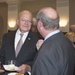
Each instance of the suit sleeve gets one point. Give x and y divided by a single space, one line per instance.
2 50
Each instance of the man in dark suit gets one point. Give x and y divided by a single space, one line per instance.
25 57
56 54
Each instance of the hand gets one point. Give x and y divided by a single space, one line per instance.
24 68
39 43
1 71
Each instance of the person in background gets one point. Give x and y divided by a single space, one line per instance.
27 52
56 55
71 37
72 28
34 28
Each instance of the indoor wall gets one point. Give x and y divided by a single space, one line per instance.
3 19
35 5
72 12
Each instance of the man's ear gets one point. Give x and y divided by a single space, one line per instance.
40 24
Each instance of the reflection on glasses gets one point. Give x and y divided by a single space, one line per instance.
26 21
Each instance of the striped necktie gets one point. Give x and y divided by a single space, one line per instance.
19 45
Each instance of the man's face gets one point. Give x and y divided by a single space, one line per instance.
73 29
24 22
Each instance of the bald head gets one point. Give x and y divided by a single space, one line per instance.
49 17
25 12
50 12
72 28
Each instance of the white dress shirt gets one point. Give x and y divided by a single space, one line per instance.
17 37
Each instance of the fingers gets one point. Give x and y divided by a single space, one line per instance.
21 69
1 71
24 68
39 43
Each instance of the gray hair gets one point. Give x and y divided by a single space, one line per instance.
48 22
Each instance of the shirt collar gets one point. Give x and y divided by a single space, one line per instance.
52 33
18 32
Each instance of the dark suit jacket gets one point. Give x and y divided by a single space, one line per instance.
55 57
27 52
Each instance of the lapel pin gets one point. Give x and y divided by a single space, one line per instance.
28 38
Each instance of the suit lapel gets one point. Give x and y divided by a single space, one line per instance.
25 44
27 39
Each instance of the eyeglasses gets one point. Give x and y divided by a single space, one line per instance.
25 21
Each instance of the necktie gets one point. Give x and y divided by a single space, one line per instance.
19 45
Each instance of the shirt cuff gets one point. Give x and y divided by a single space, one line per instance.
29 73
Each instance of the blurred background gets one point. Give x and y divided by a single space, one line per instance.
9 10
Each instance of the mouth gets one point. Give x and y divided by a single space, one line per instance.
25 26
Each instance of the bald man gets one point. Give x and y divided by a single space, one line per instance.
72 28
56 54
24 57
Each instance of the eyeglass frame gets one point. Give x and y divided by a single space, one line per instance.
25 21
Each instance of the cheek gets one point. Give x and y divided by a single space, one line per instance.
30 25
37 27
